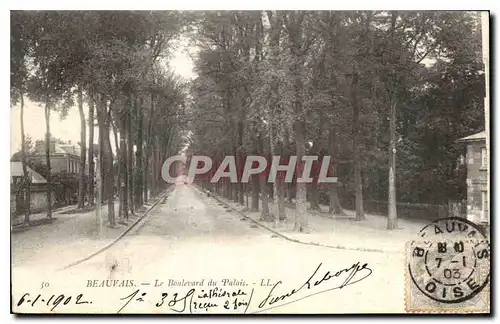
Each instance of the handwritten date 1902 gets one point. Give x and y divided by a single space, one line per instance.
54 300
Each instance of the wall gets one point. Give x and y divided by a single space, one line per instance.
427 212
13 203
476 182
61 163
38 201
57 163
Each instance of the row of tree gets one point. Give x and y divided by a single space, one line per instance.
114 62
363 87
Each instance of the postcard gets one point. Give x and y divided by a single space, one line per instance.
250 162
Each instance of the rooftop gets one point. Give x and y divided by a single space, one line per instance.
475 137
16 170
58 148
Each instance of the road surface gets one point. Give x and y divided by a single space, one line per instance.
192 255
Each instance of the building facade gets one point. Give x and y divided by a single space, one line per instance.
63 157
478 210
38 192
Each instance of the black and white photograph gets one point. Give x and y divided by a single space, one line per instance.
250 162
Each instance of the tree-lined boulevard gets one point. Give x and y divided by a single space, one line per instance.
380 98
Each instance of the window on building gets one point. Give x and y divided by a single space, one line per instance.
484 205
484 158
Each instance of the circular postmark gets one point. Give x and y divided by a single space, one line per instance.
450 263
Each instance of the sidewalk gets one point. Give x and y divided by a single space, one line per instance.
341 231
19 219
69 237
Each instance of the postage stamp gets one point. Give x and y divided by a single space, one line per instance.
448 268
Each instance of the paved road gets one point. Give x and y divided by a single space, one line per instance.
192 238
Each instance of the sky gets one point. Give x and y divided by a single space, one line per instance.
68 129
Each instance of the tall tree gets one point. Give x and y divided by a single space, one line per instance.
83 150
21 41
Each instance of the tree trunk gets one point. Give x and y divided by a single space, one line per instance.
287 191
118 179
101 157
236 192
255 193
236 186
295 36
110 178
359 188
26 187
153 168
98 185
241 160
358 184
91 149
107 159
229 188
334 208
242 194
156 167
246 196
272 151
314 196
301 221
290 186
130 151
83 150
392 218
47 157
255 181
281 199
146 171
291 193
280 185
123 177
148 151
138 157
265 214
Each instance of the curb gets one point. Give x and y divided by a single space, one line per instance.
337 247
121 235
54 212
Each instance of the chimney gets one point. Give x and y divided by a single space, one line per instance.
40 146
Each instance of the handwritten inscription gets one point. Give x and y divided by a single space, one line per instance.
193 301
53 301
225 295
240 299
350 276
